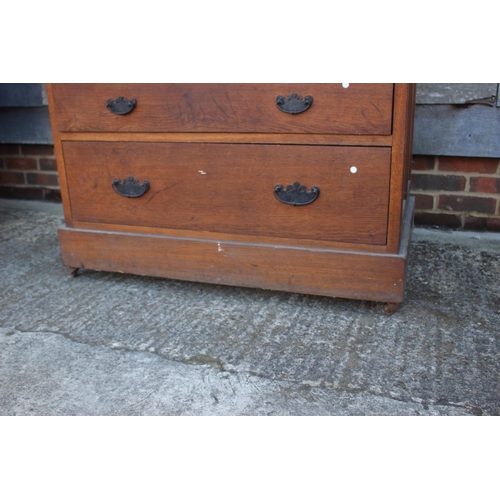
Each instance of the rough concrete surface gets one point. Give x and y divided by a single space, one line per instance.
112 344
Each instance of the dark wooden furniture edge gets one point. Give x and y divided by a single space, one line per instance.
63 183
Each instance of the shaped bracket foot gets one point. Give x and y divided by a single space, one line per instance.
391 307
73 271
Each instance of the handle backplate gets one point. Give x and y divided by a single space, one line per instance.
295 194
294 103
121 105
130 187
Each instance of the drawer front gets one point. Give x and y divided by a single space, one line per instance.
231 188
241 108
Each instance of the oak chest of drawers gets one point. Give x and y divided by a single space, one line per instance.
294 187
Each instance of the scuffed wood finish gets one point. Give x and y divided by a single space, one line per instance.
358 109
365 276
335 273
230 188
282 239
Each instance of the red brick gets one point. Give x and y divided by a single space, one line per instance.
493 224
421 162
462 164
37 150
2 164
22 193
438 182
21 163
426 219
475 223
48 164
42 179
467 204
484 185
9 149
424 202
482 223
12 178
52 195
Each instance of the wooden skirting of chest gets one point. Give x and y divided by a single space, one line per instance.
220 184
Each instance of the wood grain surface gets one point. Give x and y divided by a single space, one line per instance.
358 109
230 188
402 139
319 272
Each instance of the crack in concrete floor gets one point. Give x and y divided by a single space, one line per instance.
298 385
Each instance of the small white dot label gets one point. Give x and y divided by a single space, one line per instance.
345 85
353 170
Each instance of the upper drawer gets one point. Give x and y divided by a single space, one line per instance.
243 108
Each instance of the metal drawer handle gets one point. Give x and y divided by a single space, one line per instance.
295 194
294 104
130 187
121 105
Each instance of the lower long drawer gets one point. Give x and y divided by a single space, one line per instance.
231 188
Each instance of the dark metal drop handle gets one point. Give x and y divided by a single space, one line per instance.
294 103
295 194
121 105
130 187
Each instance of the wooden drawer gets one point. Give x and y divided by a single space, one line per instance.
230 188
242 108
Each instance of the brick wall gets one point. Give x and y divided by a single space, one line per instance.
29 172
457 192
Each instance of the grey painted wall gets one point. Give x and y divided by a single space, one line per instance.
457 119
24 116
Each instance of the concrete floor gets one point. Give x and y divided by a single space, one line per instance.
112 344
